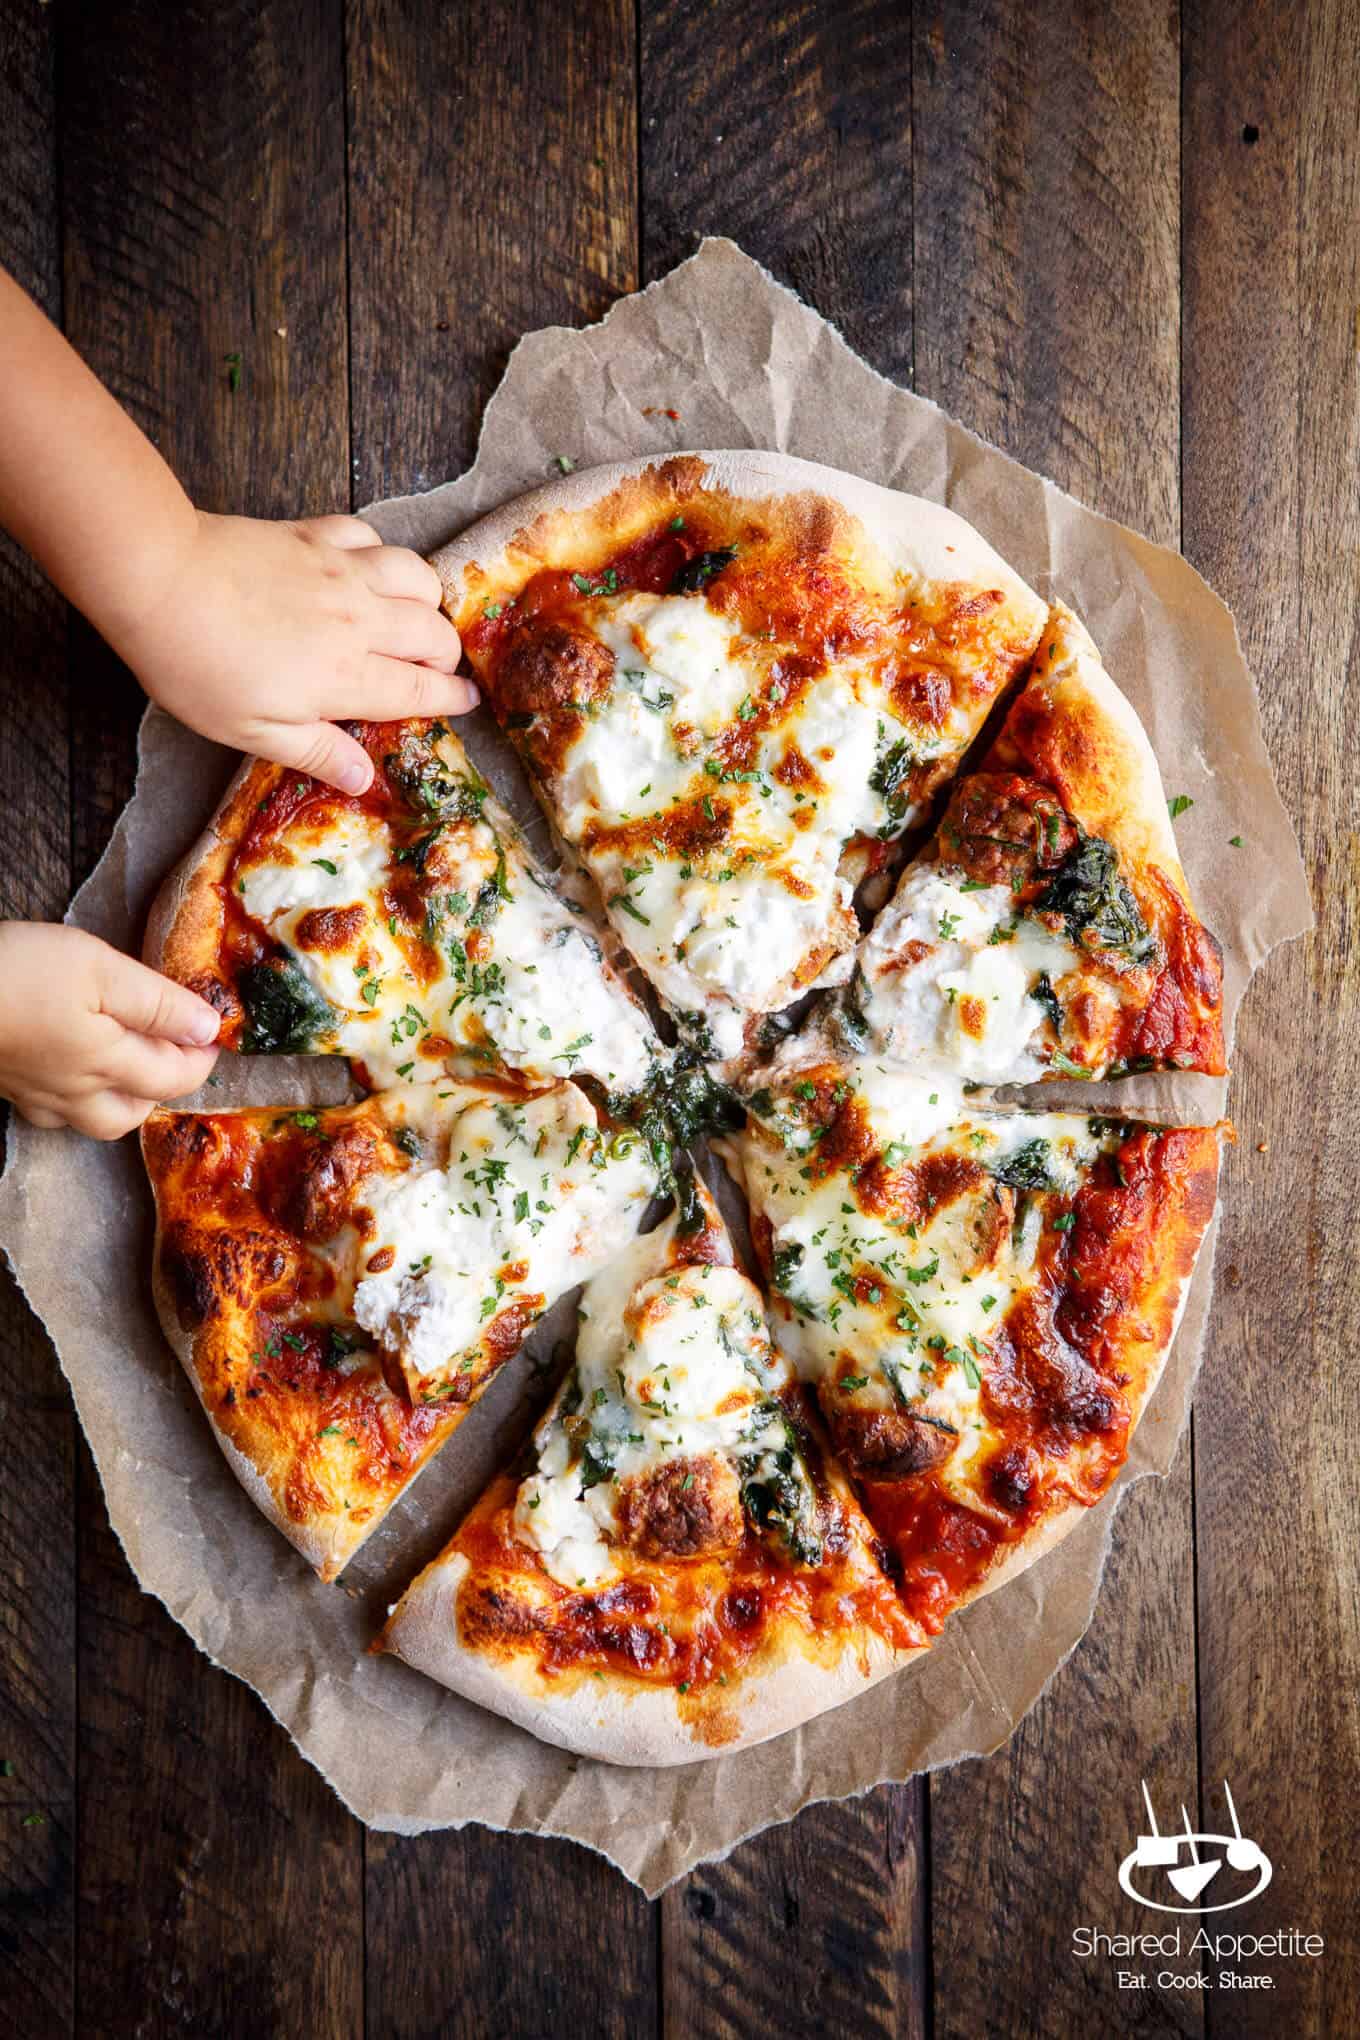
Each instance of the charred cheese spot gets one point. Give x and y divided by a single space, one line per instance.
212 1271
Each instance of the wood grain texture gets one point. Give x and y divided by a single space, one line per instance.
503 148
492 190
472 1933
1047 222
789 128
37 1426
816 1927
1272 439
202 180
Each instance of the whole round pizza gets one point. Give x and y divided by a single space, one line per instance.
854 829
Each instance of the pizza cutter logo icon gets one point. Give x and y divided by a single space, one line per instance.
1191 1862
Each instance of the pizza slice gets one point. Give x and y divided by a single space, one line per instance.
1048 930
984 1304
407 927
735 677
675 1568
341 1284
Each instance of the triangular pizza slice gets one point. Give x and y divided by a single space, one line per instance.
408 928
735 677
983 1303
675 1567
1048 930
340 1284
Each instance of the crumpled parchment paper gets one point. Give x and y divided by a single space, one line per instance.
715 355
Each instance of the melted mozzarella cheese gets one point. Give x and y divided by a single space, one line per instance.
723 932
530 1199
512 975
671 1362
907 1312
965 1000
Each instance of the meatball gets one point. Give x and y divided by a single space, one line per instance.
1006 830
687 1508
553 667
888 1444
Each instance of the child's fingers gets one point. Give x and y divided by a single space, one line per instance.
38 1115
323 750
349 533
148 1003
395 570
412 630
108 1115
394 687
147 1068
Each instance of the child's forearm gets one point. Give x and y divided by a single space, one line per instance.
81 488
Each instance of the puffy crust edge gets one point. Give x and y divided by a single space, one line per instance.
559 523
619 1721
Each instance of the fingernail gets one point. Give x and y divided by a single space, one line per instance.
472 695
202 1029
354 777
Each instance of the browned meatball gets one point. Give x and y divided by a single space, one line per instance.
688 1508
318 1202
553 667
1005 830
887 1444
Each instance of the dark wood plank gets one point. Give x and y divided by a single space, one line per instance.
790 130
202 179
37 1429
1046 221
502 147
1272 428
471 1933
815 1927
493 189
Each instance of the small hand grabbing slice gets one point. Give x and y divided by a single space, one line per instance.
983 1303
340 1285
735 677
1048 930
676 1568
408 927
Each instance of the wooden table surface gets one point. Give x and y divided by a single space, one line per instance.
1123 243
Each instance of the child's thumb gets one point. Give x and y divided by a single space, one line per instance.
323 751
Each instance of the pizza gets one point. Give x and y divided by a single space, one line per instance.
982 1302
341 1284
677 1567
735 679
745 689
408 928
1048 931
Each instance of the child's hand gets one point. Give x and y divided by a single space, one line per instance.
88 1037
266 632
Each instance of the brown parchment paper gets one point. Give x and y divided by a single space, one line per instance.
742 363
